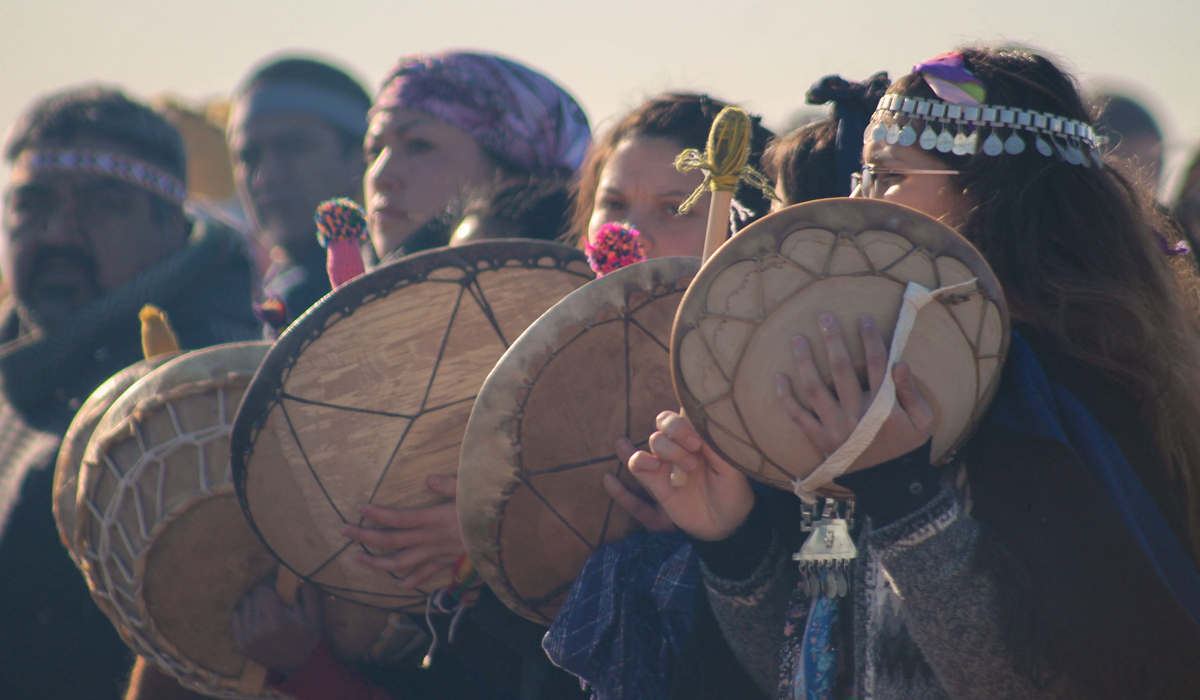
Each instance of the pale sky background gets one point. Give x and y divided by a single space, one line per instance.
610 55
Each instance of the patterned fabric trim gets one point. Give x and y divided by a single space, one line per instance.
131 170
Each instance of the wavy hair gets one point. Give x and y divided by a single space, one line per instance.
1079 252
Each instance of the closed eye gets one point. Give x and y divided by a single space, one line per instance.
416 147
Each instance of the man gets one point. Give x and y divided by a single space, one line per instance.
296 134
93 229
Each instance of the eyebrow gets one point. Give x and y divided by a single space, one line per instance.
408 125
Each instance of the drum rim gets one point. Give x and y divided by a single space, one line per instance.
542 339
262 394
92 411
922 230
148 639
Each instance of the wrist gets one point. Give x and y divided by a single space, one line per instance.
737 555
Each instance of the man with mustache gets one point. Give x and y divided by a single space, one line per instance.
94 228
296 136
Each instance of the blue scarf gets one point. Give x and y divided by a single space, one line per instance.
1028 403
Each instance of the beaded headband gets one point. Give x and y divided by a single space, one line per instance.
1071 140
131 170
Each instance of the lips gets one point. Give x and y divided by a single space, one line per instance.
63 277
380 208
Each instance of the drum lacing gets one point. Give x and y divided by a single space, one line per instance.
449 599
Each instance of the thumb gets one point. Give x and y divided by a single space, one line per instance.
443 485
910 398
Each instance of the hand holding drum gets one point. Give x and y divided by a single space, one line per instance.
530 498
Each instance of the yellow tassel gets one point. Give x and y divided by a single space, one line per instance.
724 162
157 336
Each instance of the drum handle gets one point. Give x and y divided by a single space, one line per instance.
287 585
254 676
915 298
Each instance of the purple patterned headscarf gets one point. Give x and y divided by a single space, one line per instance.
518 114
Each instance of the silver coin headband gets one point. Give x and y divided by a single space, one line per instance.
1071 140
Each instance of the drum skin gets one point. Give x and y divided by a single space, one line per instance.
368 394
75 441
594 368
166 551
849 257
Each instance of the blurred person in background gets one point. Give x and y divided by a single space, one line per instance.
211 190
1186 207
295 134
93 229
1134 137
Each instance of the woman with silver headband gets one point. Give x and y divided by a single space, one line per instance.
1055 557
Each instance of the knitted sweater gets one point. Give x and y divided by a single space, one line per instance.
1009 574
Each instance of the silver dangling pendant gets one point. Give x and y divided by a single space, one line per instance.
1074 156
1062 152
879 133
1014 145
992 145
972 144
825 557
893 133
929 138
945 141
1043 147
908 135
959 148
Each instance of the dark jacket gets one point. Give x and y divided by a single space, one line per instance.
54 641
300 283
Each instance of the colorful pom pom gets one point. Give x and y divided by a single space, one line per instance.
340 219
341 225
616 246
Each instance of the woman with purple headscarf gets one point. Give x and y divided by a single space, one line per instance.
452 122
443 128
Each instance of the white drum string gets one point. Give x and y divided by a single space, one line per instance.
836 464
458 609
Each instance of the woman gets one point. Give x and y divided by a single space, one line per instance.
659 637
1019 570
442 127
629 176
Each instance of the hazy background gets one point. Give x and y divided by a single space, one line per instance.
610 55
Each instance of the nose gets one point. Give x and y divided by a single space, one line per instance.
268 172
64 227
384 174
645 229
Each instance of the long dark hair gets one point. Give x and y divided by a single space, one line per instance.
1079 252
682 117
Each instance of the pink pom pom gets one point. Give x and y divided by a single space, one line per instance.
616 246
343 261
341 224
